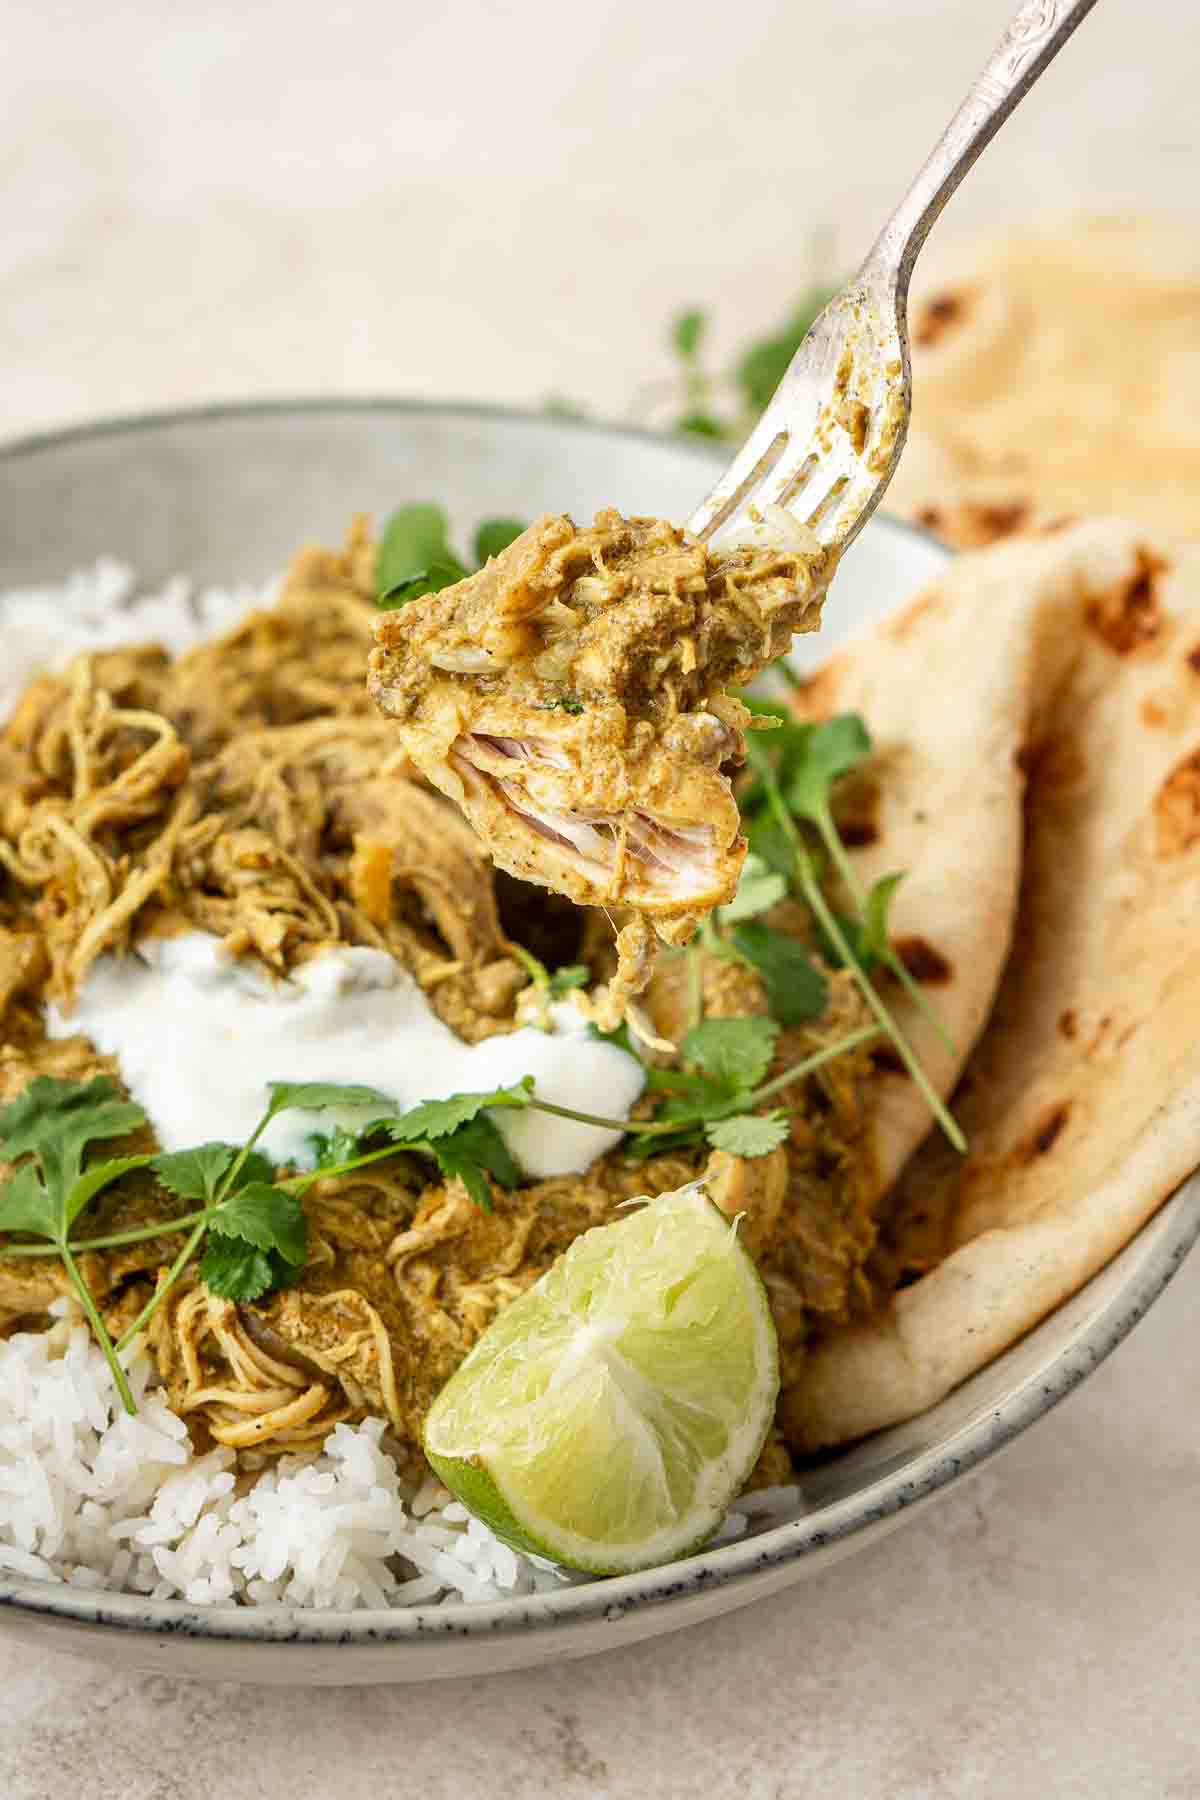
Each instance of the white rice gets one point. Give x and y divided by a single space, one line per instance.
99 1499
91 1496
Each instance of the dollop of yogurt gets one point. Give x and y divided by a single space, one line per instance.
198 1034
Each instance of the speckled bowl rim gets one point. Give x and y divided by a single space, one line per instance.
1175 1226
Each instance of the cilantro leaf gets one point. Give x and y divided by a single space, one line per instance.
771 844
759 889
472 1178
796 990
315 1096
414 557
96 1177
568 704
26 1206
690 1136
269 1217
831 749
438 1118
494 535
195 1174
687 329
867 938
430 580
700 424
571 975
236 1270
55 1120
735 1051
749 1134
474 1148
621 1038
874 942
332 1148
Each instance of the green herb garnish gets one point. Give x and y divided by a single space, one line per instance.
550 985
51 1124
810 759
472 1153
494 535
796 989
415 557
750 1134
760 887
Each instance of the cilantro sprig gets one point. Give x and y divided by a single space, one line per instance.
795 768
45 1134
714 1098
248 1226
796 989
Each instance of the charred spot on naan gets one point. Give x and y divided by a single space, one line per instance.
941 314
924 962
856 809
1131 616
974 524
1046 1132
1052 761
1177 808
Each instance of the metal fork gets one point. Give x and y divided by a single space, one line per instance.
829 441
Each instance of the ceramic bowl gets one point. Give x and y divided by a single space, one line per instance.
226 494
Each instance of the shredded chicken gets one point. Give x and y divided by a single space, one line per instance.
571 699
246 790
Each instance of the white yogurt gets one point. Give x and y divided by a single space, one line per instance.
198 1034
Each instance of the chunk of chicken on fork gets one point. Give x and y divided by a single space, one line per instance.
571 697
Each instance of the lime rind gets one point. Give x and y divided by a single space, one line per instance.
608 1417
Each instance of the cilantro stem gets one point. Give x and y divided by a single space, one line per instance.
816 1061
137 1234
648 1127
164 1287
225 1186
824 914
539 976
99 1328
831 838
811 889
737 1103
695 972
309 1176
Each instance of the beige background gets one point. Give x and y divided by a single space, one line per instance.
205 200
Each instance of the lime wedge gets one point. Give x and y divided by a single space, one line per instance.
609 1415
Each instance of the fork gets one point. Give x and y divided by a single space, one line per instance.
831 437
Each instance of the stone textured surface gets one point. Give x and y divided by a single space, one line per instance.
221 200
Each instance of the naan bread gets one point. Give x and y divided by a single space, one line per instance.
1056 371
1064 672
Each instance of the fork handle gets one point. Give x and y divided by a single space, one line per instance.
1033 39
